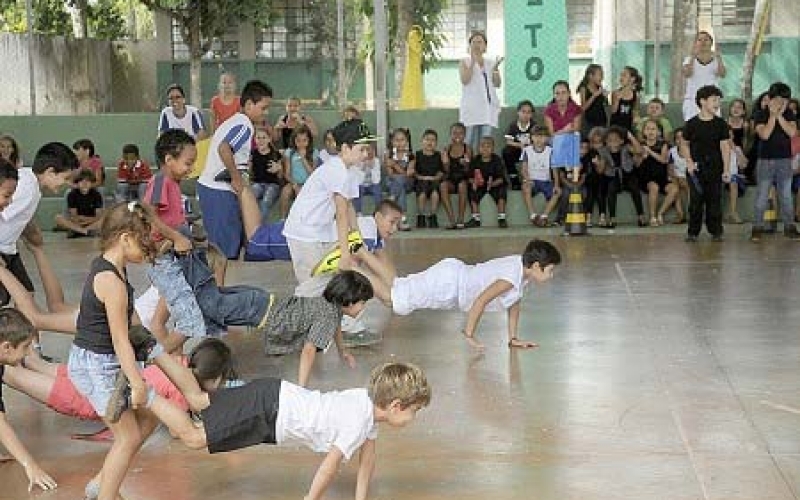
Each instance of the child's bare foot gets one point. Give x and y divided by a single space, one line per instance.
472 342
521 344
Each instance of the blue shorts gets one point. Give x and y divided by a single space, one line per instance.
93 375
222 219
544 187
566 150
268 243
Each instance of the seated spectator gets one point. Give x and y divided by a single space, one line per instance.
652 159
487 176
299 160
537 177
84 150
85 206
399 163
9 151
655 111
428 172
457 157
132 175
517 137
290 121
369 174
266 172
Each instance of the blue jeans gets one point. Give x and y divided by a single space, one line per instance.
167 275
373 190
127 192
399 185
266 195
474 135
222 306
778 172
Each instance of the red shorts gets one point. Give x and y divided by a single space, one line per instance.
65 399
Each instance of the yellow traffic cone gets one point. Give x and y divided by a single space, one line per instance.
575 223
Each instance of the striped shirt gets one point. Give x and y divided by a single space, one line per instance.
236 132
293 321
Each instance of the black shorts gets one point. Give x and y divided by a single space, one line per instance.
242 416
497 193
16 266
426 187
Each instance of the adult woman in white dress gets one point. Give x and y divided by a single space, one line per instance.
480 78
703 67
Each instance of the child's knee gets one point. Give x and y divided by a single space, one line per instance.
193 437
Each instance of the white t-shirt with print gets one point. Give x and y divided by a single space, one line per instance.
538 163
237 132
313 212
320 421
478 277
20 211
191 121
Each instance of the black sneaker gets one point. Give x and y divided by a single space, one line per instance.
755 234
120 398
791 232
472 223
433 222
421 222
223 176
503 223
692 238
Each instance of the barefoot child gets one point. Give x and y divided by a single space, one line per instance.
457 157
495 285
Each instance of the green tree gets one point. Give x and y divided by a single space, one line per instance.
402 15
202 21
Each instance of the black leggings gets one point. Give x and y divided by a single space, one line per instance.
595 195
629 183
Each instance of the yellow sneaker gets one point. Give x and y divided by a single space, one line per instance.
330 263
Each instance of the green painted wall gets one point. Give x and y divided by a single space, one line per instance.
778 62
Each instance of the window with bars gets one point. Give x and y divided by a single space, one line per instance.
290 35
725 18
459 20
225 47
580 18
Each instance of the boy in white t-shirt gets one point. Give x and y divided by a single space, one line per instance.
323 201
537 177
228 157
273 411
495 285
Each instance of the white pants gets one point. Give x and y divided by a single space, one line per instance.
433 288
305 256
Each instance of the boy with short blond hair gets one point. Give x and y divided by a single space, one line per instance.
274 411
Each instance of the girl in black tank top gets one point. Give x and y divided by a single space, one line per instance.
101 351
455 180
625 100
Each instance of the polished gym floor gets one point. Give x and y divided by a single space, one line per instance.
665 370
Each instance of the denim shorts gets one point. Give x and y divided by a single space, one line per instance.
167 276
93 376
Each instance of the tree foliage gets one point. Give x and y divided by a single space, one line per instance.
427 14
106 19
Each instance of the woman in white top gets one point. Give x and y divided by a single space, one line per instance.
703 67
480 77
181 115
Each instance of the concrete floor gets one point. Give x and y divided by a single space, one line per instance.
666 371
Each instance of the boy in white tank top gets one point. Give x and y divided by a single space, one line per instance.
495 285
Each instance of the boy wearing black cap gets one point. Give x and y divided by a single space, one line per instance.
325 199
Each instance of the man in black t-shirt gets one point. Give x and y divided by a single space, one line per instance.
708 163
775 127
85 205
